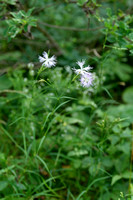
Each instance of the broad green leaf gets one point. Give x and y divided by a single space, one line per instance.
3 185
115 178
122 111
128 95
5 83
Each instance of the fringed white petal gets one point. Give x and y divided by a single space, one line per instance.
45 55
41 59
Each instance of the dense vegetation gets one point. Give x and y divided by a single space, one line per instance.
62 139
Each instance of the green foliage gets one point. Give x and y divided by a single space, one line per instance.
81 2
58 139
128 95
20 22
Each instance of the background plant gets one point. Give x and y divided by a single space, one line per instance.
58 139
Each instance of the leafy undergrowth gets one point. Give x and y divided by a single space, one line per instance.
66 132
59 141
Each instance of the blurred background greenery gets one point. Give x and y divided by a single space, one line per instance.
59 140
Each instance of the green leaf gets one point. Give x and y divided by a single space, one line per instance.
14 14
29 12
26 27
128 95
33 23
11 2
5 83
109 12
22 13
115 179
131 36
81 2
77 152
125 175
3 185
122 111
131 51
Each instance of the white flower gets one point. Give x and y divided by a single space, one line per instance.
30 65
87 80
83 70
48 62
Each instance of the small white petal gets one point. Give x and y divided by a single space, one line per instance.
53 58
83 70
45 55
81 63
41 59
88 68
78 71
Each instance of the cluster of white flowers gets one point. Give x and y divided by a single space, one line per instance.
83 70
86 77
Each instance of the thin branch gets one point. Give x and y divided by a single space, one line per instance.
29 42
72 1
51 39
70 28
36 11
